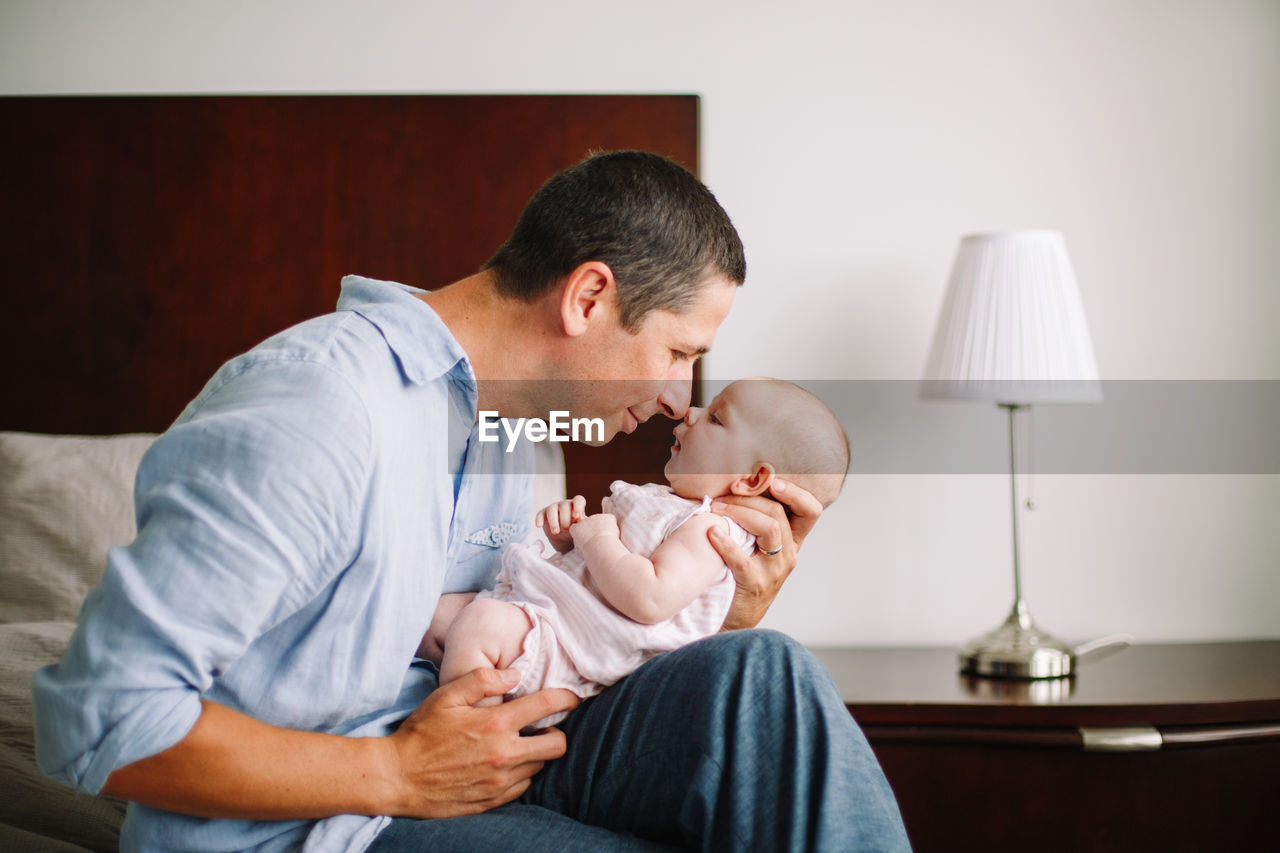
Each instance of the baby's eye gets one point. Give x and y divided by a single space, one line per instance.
715 419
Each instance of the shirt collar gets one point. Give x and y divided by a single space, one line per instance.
423 345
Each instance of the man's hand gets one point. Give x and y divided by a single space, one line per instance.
593 526
556 519
449 758
780 525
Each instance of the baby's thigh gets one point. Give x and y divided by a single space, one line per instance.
496 628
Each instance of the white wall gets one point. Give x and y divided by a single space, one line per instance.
853 142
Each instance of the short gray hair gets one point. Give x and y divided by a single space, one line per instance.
656 226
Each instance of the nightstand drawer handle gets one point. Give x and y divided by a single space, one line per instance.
1117 739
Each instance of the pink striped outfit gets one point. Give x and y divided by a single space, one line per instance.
578 641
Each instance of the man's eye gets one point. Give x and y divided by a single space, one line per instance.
677 355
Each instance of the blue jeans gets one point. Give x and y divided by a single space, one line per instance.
736 742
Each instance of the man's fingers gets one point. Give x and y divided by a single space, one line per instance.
780 523
546 745
513 793
738 561
476 685
482 800
763 518
458 759
788 506
527 710
802 507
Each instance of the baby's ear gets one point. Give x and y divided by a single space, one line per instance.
755 483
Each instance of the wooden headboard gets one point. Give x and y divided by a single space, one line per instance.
148 239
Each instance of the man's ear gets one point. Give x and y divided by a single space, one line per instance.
589 291
755 483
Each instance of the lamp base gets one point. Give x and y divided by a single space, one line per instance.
1017 649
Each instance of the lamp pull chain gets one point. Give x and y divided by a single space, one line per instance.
1029 455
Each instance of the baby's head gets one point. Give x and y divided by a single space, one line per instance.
754 430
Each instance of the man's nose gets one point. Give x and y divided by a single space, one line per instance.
675 396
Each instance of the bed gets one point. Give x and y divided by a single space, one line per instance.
149 239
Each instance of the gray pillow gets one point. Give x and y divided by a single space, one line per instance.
64 500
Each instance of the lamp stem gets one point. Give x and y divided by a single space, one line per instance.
1019 608
1017 649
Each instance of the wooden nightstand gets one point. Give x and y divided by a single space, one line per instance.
1158 747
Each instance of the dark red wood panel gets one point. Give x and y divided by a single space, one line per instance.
970 798
149 239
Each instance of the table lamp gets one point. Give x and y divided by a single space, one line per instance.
1012 332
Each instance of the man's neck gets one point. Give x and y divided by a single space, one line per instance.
504 339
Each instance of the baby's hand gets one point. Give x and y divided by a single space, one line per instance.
593 526
557 518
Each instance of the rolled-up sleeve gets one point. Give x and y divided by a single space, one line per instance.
246 508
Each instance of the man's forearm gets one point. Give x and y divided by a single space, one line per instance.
232 766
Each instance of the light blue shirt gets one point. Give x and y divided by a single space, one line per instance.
296 526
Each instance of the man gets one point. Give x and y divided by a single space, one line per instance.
245 674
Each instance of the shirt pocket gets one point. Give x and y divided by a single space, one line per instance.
478 557
494 535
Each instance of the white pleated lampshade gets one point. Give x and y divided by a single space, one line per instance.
1012 327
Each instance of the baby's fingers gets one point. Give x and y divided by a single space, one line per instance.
564 515
571 511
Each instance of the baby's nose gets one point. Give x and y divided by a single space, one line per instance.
692 416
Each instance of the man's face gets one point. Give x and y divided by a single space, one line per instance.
717 445
628 377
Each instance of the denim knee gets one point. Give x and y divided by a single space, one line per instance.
761 654
736 742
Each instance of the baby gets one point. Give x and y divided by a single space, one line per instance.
641 577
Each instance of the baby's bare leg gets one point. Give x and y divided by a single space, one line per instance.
487 634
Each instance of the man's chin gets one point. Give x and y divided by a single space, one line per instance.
609 433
